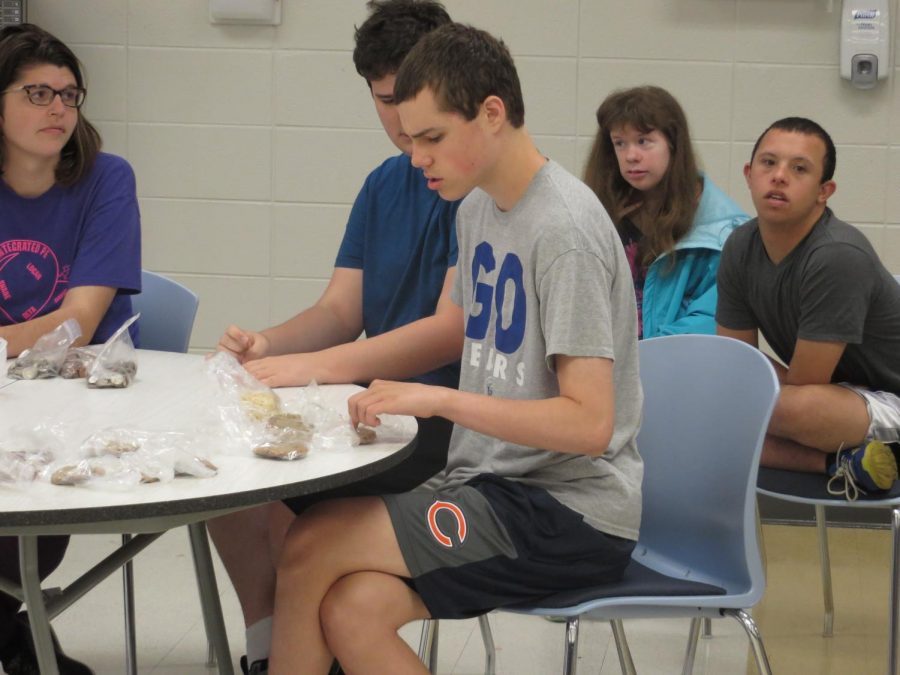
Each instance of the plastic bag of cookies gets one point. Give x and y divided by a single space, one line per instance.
46 357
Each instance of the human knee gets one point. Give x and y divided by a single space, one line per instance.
299 545
791 410
349 611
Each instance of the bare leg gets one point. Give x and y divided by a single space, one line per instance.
280 520
242 540
811 420
821 416
780 453
327 542
361 615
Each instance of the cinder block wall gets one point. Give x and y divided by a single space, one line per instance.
250 143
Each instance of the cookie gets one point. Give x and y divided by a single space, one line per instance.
366 435
285 451
260 404
76 474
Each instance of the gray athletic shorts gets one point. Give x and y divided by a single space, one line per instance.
884 413
494 542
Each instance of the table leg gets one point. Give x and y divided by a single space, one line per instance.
894 602
34 599
209 597
130 630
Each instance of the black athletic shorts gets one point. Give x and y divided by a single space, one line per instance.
494 542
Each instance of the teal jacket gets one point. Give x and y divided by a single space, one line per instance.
682 299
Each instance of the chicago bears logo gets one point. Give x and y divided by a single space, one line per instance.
436 532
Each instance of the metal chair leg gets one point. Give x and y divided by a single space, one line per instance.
825 564
490 653
433 654
706 624
625 660
691 650
210 654
752 630
570 651
426 640
893 628
209 596
130 631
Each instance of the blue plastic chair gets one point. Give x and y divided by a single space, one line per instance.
167 313
707 403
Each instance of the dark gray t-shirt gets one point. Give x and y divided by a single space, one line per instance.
831 288
548 277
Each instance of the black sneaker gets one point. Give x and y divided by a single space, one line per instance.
260 667
23 661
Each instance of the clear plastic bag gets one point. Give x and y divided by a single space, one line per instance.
22 466
77 363
46 357
120 459
244 403
116 363
287 436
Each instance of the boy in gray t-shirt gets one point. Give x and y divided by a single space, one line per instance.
814 287
542 488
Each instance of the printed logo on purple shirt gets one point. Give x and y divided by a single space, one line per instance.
29 269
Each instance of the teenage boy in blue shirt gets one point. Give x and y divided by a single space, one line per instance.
395 265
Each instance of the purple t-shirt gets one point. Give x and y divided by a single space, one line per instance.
87 234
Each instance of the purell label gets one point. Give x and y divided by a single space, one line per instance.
865 14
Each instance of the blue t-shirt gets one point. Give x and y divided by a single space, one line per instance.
403 237
87 234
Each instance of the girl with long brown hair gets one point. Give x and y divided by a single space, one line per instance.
672 219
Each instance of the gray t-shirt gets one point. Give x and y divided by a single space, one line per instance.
548 277
831 288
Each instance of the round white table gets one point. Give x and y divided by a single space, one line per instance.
170 393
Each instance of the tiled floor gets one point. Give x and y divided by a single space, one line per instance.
171 640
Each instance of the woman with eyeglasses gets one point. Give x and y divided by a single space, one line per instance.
69 246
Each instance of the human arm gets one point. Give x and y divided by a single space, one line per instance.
404 352
578 421
688 292
835 292
92 240
335 318
751 337
85 304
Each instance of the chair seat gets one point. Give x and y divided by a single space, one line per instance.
811 488
638 581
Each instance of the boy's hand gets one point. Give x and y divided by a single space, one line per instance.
288 370
243 345
395 398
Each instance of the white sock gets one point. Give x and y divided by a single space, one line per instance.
259 638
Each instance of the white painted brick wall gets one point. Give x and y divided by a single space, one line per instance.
250 143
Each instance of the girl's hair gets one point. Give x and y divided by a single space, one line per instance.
646 108
25 45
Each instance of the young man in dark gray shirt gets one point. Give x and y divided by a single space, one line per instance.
815 288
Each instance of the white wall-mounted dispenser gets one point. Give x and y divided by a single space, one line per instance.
865 42
260 12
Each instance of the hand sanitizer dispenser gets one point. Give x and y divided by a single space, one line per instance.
865 43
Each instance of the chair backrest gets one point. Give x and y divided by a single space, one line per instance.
167 313
707 403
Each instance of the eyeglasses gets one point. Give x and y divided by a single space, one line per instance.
42 94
